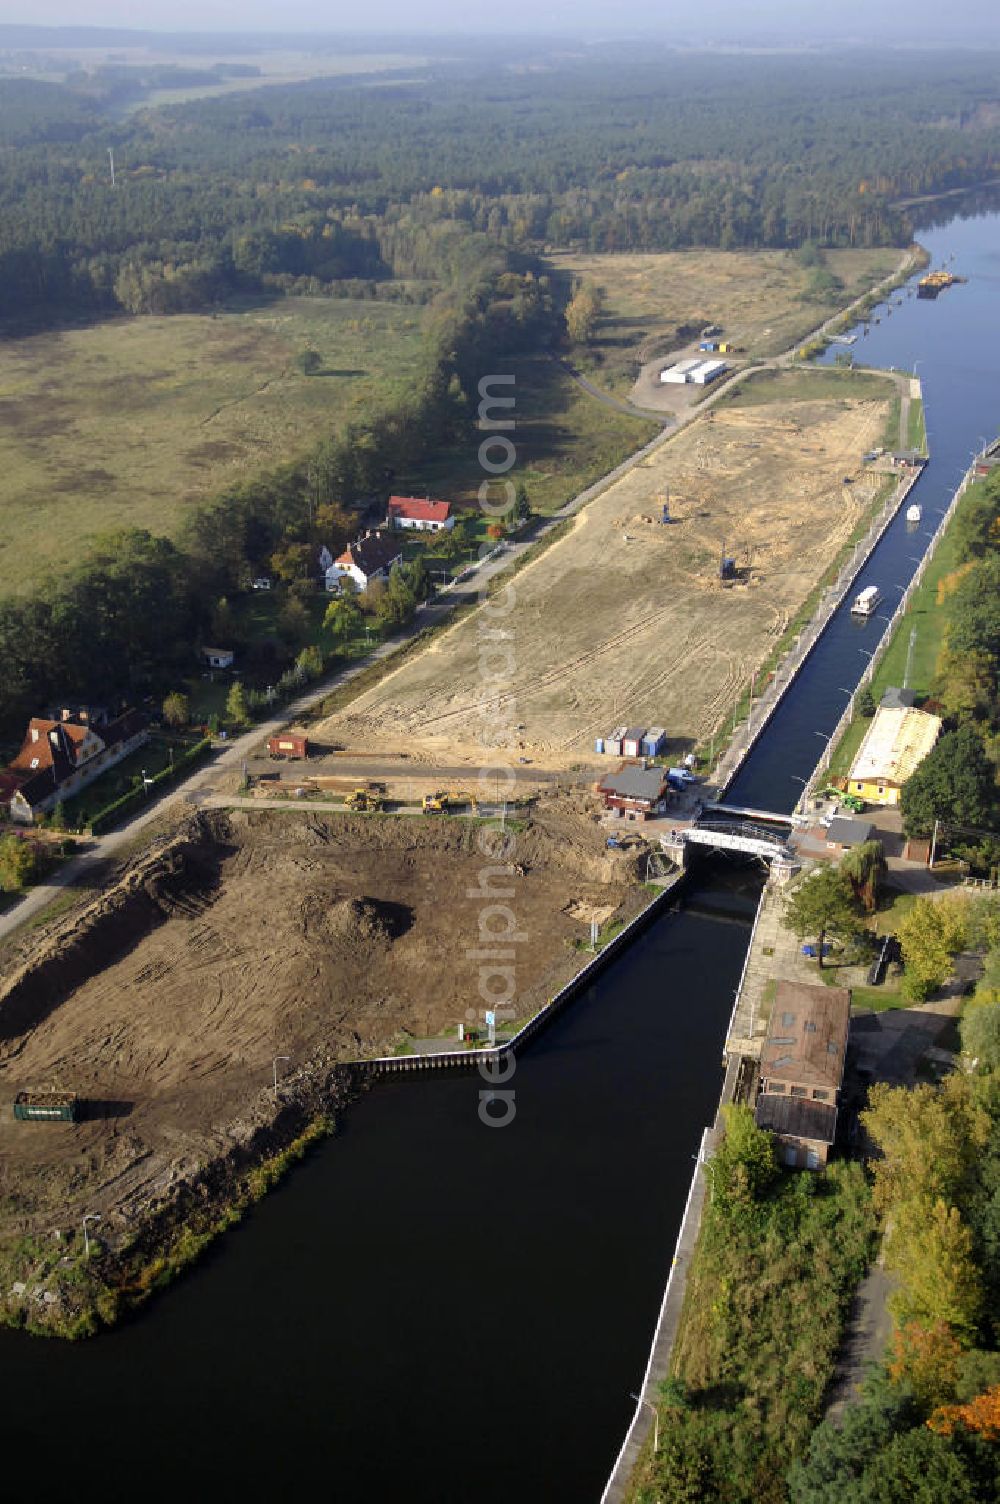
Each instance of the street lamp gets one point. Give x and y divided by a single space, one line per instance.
656 1418
90 1217
274 1067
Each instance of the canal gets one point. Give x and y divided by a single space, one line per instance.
437 1311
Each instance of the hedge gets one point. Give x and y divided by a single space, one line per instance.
113 813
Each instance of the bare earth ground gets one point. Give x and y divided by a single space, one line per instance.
625 620
323 938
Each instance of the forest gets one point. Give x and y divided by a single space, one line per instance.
338 186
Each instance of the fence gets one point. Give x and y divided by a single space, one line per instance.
882 646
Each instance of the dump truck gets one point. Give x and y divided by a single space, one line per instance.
46 1107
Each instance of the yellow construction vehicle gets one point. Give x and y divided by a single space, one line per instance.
435 803
364 799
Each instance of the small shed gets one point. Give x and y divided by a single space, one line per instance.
845 833
613 743
654 741
632 741
219 657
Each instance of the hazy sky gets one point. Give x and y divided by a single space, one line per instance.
900 19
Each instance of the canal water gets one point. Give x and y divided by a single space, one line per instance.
951 343
437 1311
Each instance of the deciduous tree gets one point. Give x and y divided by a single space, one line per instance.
824 904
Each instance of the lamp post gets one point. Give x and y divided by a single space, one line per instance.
274 1067
656 1418
90 1217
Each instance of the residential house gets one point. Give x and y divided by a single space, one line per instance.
371 557
895 744
802 1070
219 657
635 792
421 516
59 757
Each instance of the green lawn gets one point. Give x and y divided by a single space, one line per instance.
156 755
927 619
812 384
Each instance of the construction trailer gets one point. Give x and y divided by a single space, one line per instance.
290 745
654 741
708 371
680 373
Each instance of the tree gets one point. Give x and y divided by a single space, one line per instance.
864 866
931 1139
294 623
343 618
237 711
930 1247
865 703
954 784
293 562
223 624
522 503
926 1357
19 863
931 934
495 531
980 1030
176 709
745 1163
582 313
309 361
310 662
981 1414
824 904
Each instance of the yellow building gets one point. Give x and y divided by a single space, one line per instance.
896 742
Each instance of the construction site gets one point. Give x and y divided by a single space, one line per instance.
239 962
662 599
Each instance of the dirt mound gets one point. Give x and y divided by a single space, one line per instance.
252 943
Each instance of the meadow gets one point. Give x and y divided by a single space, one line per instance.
131 421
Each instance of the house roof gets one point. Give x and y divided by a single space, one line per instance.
894 698
371 553
796 1116
633 733
807 1035
420 510
895 744
634 782
845 832
57 744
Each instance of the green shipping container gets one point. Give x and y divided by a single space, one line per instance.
32 1107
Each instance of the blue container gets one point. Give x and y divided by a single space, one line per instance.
599 745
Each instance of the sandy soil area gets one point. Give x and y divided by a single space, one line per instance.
322 938
626 620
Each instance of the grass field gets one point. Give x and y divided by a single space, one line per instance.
758 297
926 618
565 439
130 421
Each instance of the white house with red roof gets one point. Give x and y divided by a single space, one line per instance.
422 515
368 558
